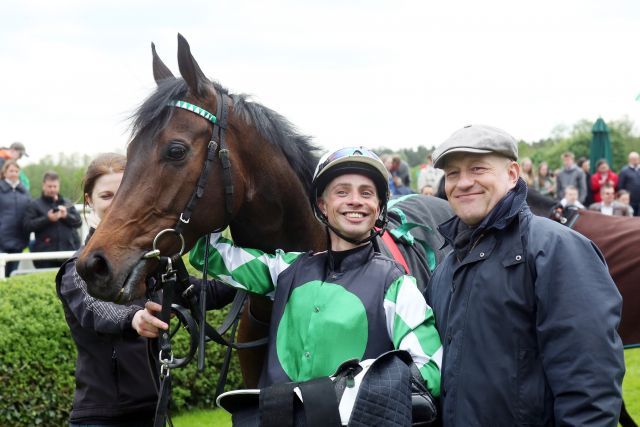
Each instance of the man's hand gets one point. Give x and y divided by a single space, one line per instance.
146 323
63 211
54 216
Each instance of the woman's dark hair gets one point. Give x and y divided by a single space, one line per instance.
581 160
600 162
104 164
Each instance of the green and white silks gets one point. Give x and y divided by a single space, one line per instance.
326 322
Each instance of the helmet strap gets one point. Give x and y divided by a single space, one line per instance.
377 231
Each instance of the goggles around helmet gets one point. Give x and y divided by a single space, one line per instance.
358 160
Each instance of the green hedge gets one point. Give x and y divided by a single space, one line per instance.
37 358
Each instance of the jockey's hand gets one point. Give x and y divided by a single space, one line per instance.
146 323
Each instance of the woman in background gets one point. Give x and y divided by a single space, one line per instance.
601 177
526 171
14 199
544 183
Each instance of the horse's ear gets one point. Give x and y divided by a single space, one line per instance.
160 71
190 70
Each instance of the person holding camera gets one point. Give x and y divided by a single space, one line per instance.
54 221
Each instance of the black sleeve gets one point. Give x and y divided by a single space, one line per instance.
73 218
100 316
218 294
33 218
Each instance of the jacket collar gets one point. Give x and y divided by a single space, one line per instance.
50 199
498 218
352 258
5 186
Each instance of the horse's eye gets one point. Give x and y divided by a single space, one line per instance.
176 151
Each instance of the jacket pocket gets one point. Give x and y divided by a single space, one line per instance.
532 392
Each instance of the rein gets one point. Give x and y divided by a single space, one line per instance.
172 271
565 216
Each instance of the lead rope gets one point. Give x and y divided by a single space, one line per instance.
165 355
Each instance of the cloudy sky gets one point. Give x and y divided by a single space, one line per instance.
378 73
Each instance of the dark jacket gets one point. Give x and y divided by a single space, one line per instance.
629 179
528 322
572 176
52 236
113 377
13 203
113 373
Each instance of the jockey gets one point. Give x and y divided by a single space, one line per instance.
349 302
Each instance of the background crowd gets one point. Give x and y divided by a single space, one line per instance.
51 217
56 223
572 185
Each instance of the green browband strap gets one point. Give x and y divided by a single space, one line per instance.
195 109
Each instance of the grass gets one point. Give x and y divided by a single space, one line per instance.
631 393
631 384
203 418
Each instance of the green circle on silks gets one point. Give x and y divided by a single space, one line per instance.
322 326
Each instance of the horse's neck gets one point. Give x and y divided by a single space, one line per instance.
276 213
287 224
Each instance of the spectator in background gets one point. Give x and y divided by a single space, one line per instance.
603 177
624 198
570 199
584 164
388 164
401 189
14 199
607 205
429 177
544 182
526 171
54 220
629 180
571 175
15 152
400 168
428 190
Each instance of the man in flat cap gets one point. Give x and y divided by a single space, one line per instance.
526 309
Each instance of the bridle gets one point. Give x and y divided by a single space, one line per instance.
171 271
563 215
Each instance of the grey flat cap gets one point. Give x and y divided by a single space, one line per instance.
477 139
19 146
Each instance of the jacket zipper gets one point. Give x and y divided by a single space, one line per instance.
114 370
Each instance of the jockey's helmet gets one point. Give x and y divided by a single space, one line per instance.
357 160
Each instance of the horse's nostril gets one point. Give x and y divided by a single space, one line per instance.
99 266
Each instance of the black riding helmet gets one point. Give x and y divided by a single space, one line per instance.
358 160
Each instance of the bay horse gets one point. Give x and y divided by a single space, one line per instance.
261 192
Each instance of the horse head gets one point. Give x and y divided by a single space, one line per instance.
190 124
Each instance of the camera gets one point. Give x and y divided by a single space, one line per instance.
55 209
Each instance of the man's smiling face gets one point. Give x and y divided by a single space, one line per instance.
351 205
475 183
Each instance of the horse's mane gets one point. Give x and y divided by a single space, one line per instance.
152 116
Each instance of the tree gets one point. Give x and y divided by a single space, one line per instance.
577 139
